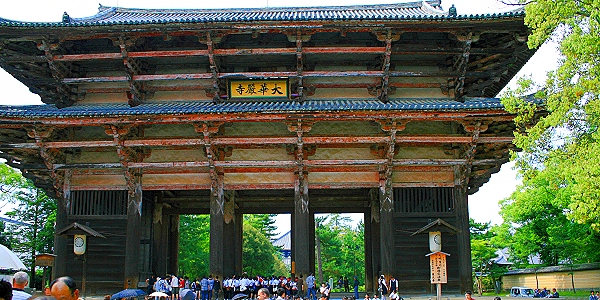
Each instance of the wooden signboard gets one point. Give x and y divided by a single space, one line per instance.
44 260
437 263
263 88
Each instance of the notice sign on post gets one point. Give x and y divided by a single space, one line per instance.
265 88
437 262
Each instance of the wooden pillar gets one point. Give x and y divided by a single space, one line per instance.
134 223
217 228
160 238
238 236
386 238
60 242
463 239
173 262
62 221
375 233
301 228
368 240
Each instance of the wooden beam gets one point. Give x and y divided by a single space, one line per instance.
281 140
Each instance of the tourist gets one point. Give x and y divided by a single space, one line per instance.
263 294
20 281
5 290
64 288
383 288
356 284
468 295
310 286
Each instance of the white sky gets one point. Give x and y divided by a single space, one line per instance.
483 206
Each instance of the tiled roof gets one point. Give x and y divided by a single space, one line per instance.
419 10
206 107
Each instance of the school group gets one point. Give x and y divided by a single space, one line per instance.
209 287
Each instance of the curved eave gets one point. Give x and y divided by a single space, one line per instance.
176 108
235 17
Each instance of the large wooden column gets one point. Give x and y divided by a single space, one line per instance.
217 229
386 202
134 223
302 227
463 239
301 230
62 221
462 175
173 245
160 230
369 263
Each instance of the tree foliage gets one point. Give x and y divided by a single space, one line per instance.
194 239
342 247
562 150
482 252
31 207
259 255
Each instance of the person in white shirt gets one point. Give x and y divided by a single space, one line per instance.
19 282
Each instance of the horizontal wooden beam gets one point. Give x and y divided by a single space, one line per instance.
243 75
235 141
424 49
344 164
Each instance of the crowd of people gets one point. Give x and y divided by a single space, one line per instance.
209 287
63 288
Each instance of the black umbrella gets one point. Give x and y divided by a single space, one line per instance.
128 293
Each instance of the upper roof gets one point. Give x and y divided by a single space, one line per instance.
418 10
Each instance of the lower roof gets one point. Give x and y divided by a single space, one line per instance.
204 107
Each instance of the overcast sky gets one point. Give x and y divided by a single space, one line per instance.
483 206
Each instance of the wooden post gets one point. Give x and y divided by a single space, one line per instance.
238 241
134 223
368 238
160 224
375 243
301 227
62 221
463 237
386 217
217 228
173 265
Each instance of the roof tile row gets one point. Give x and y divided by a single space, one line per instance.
421 10
206 107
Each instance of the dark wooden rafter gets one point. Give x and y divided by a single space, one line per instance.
128 156
50 156
383 90
300 127
386 199
136 94
299 66
475 128
214 69
462 62
216 173
60 71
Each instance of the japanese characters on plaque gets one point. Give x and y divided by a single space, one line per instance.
437 262
259 88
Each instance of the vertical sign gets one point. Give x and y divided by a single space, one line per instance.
437 262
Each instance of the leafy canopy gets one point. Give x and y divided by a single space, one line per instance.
562 149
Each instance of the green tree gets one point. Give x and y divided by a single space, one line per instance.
265 223
34 207
565 142
259 255
482 252
339 247
194 239
537 223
